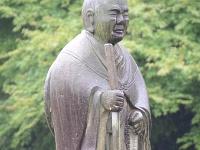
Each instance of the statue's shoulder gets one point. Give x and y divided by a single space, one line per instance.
79 46
76 49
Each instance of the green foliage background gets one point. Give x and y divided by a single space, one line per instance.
163 37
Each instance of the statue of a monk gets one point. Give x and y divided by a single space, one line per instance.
78 99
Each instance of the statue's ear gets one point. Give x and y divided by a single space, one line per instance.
90 16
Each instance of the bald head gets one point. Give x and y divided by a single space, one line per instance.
104 18
90 6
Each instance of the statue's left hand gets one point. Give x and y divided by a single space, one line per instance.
136 120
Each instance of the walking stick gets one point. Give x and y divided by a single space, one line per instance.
113 81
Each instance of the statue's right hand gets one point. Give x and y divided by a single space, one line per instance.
113 100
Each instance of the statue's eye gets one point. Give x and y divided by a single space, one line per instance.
125 14
113 13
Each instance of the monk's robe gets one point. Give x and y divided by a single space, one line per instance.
73 89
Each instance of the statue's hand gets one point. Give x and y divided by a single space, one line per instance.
113 100
136 120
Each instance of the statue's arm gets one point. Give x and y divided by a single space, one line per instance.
139 118
47 104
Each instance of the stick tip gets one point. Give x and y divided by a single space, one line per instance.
108 46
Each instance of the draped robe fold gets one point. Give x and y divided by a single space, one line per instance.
72 96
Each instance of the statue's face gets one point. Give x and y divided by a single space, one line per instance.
111 20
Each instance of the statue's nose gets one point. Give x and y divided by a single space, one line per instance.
120 18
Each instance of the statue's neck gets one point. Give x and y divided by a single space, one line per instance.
97 43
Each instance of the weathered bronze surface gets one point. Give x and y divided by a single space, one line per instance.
79 96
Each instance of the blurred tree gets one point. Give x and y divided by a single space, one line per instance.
163 37
40 30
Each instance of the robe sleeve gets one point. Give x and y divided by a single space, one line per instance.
69 99
138 100
76 110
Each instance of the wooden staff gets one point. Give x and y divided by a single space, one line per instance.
113 81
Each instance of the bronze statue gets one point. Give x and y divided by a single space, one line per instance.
78 98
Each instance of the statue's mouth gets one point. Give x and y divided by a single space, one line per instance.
119 29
